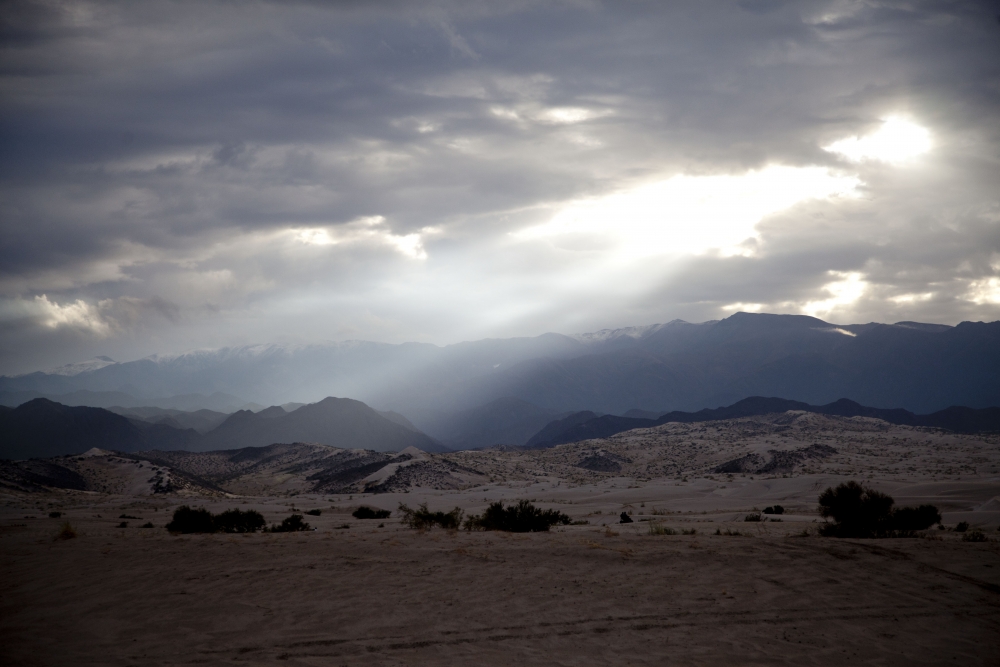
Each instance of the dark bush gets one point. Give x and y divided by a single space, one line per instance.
753 516
188 520
423 518
127 516
975 536
369 513
777 509
862 512
857 510
314 512
520 518
291 524
148 524
961 526
238 521
625 518
908 519
123 524
55 515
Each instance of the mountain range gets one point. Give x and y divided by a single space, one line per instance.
656 369
586 425
42 428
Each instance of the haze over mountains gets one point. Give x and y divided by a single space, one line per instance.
504 391
673 366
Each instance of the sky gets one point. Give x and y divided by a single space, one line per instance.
184 175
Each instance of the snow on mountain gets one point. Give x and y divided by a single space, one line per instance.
82 366
636 333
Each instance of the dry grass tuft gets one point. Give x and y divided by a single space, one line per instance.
67 532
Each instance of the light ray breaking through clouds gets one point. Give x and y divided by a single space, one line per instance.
194 175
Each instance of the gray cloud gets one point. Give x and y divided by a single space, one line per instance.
314 171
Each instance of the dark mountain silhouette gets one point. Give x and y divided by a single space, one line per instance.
961 419
42 428
218 401
556 428
505 421
337 422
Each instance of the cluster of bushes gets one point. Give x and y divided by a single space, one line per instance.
369 513
200 520
660 529
777 509
291 524
520 518
422 518
859 511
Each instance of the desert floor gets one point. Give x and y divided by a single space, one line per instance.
579 595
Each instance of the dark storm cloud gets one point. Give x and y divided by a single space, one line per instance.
358 169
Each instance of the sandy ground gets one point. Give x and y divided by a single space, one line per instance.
601 593
580 595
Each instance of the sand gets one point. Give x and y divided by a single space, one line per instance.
378 593
579 595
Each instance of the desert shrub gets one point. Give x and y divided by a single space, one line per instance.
862 512
127 516
753 516
777 509
238 521
625 518
908 519
580 522
291 524
422 518
370 513
188 520
314 512
857 511
55 515
961 526
123 524
975 536
660 529
520 518
148 524
66 532
734 533
689 531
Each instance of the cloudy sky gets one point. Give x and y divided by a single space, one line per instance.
179 175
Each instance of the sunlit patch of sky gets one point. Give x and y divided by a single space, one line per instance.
443 172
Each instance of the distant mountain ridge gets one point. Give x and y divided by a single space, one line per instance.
673 366
42 428
575 428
